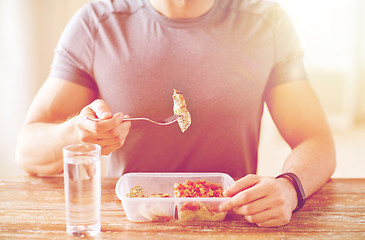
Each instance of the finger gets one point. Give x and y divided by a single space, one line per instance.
109 149
100 131
255 207
122 128
110 140
101 109
109 145
244 197
99 127
271 218
106 141
261 217
274 222
241 184
114 139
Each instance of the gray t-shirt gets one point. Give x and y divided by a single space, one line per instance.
222 62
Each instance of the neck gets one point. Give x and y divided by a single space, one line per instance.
182 8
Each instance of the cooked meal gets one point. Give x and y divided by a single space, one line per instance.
195 210
191 210
199 188
180 109
151 212
137 192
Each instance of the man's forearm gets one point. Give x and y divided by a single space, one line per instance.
314 161
39 150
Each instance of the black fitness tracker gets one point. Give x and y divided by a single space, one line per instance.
298 188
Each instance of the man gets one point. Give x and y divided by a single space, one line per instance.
228 58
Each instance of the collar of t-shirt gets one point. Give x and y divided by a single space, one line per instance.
183 23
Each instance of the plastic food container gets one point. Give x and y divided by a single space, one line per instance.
166 209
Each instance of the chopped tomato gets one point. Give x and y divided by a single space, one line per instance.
200 188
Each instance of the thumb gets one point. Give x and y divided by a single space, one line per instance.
101 109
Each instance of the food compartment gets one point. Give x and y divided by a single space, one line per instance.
148 208
194 209
199 200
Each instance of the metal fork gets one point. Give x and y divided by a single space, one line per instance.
165 122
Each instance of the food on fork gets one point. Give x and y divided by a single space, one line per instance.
180 109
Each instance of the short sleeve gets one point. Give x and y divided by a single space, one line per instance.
73 56
288 52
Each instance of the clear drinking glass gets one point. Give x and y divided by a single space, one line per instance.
82 189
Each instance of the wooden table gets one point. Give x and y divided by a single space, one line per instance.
33 208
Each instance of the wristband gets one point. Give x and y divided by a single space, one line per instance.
298 188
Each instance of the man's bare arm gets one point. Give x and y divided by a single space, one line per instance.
49 126
269 202
300 119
